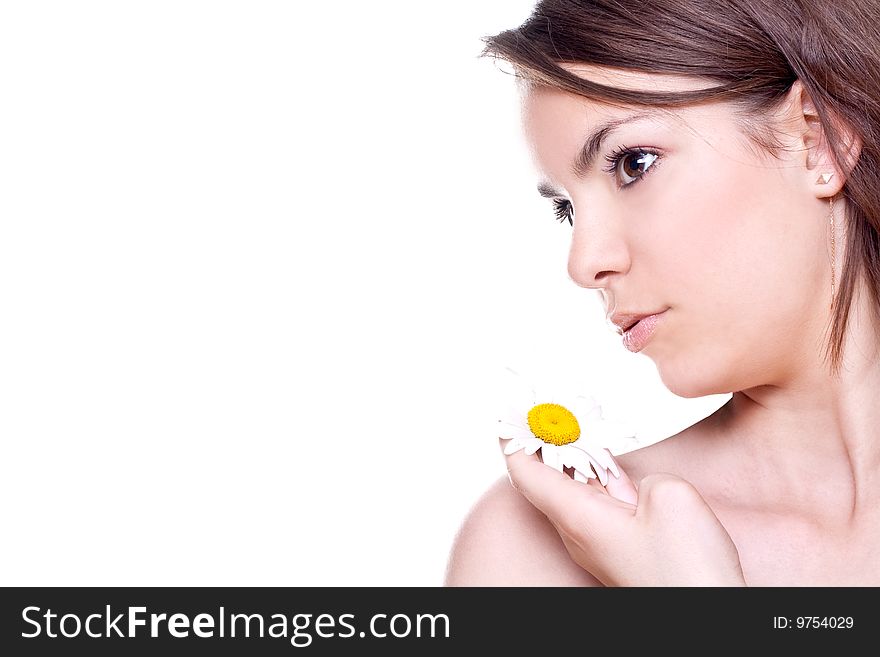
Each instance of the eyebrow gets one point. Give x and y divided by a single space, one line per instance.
590 149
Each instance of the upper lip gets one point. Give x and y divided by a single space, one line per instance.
625 321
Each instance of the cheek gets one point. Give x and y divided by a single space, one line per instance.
730 245
706 236
732 240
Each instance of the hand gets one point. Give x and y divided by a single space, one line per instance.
661 534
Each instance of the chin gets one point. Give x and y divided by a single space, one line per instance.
691 382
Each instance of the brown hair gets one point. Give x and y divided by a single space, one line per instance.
754 50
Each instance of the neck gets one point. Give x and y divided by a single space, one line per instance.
810 445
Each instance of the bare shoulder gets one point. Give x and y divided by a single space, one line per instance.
505 541
690 454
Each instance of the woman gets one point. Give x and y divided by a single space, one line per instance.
718 162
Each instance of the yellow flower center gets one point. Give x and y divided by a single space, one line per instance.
554 424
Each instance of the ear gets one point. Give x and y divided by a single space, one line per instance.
825 173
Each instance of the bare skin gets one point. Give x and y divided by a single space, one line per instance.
505 541
791 465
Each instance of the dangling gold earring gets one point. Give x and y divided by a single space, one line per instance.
824 179
833 255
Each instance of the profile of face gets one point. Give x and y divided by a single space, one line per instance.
679 211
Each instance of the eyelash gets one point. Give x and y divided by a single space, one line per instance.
563 211
562 208
622 152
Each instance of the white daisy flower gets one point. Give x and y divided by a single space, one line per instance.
569 431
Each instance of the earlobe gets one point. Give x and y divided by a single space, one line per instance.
828 183
827 172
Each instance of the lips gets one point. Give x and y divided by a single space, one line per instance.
639 334
625 321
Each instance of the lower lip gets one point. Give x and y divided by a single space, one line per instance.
639 335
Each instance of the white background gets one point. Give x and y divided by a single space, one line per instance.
259 264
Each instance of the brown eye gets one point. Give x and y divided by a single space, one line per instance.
633 165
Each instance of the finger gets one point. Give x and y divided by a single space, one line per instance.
546 488
622 487
598 462
564 501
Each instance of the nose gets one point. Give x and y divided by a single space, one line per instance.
598 252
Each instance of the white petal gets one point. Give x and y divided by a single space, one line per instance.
543 395
585 407
573 457
600 459
605 459
578 476
513 411
587 474
625 444
577 459
534 445
511 431
620 428
599 470
609 431
529 446
550 456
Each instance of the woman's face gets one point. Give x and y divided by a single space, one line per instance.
680 211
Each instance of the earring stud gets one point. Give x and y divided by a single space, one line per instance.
824 178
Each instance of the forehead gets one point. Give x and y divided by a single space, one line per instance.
555 121
538 97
